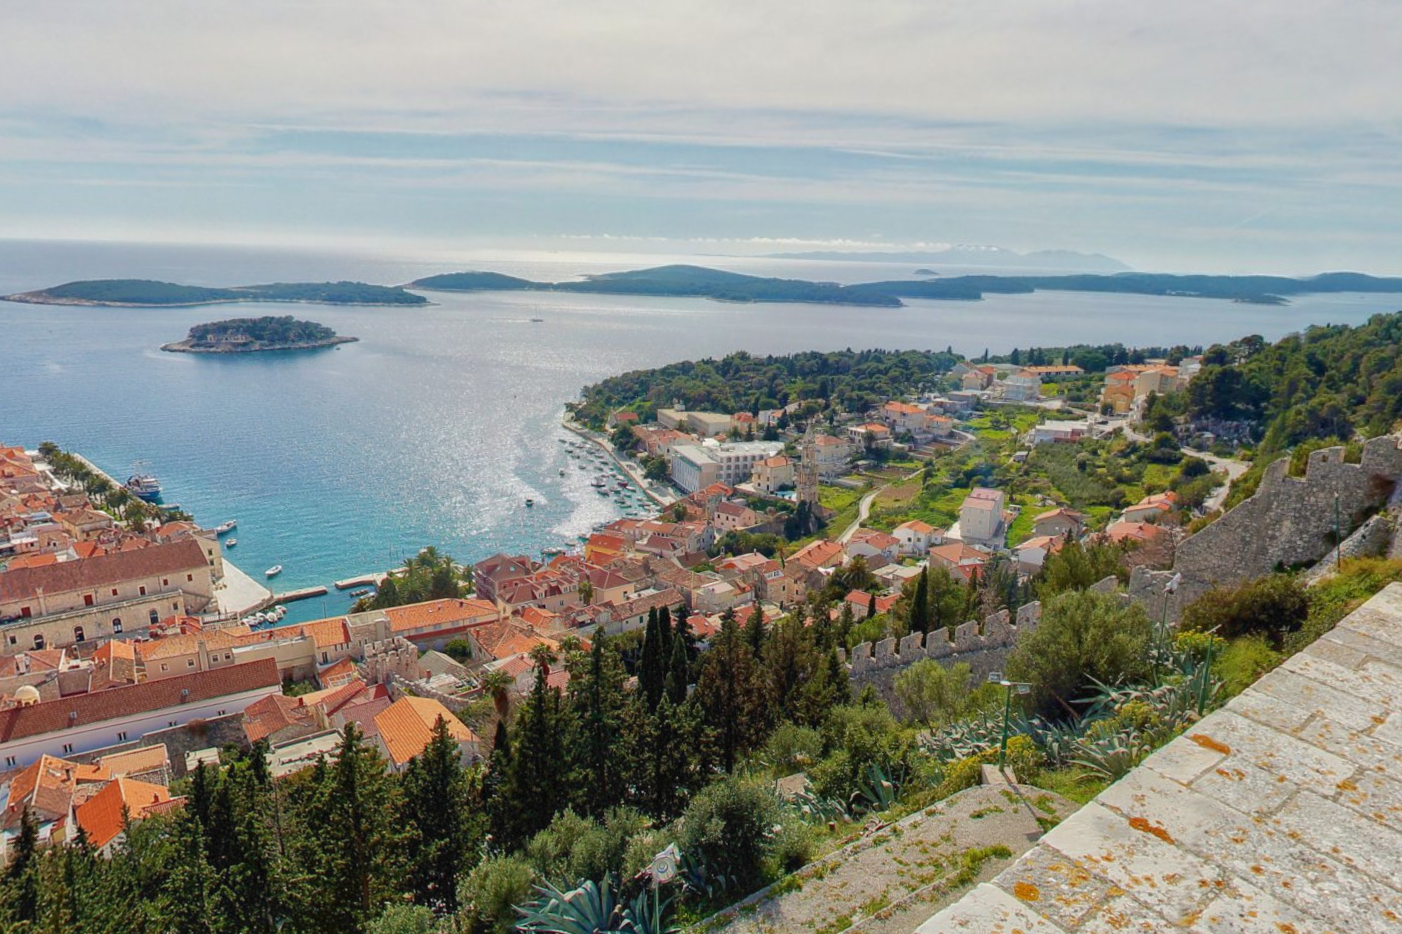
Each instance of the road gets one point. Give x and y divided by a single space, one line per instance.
1232 467
864 506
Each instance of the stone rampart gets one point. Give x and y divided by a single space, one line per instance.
971 643
1289 522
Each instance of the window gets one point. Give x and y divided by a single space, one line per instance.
171 723
165 581
165 667
116 624
77 633
67 747
141 590
323 658
24 612
219 713
114 591
122 736
155 617
87 599
228 657
189 577
38 640
189 663
11 762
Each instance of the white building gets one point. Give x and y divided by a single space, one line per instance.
981 516
1068 432
1022 386
697 466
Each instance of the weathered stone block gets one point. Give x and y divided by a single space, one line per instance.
966 637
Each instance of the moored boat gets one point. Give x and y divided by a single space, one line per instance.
144 487
273 571
226 526
230 542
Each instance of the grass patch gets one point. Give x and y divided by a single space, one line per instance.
1073 783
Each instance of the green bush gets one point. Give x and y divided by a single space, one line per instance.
1083 638
1243 661
404 919
792 748
1270 606
792 847
490 893
574 848
727 826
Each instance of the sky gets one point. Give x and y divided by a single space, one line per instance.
1222 136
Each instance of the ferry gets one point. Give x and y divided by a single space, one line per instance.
144 487
230 543
226 526
273 571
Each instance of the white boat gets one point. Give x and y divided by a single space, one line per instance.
231 543
226 527
273 571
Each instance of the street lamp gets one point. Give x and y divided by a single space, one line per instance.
665 866
996 677
1169 589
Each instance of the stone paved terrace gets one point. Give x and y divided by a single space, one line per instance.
1281 813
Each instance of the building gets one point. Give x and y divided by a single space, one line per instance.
697 466
405 728
916 537
831 455
1032 553
105 816
85 722
1152 508
178 568
873 543
1061 522
732 517
959 559
490 573
819 555
1022 386
1118 394
978 379
705 424
981 516
870 436
1049 374
1068 432
773 474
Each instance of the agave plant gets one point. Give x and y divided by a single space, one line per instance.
1114 755
594 909
812 807
965 738
878 792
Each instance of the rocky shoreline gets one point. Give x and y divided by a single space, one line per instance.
189 346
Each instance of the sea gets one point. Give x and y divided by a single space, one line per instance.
442 420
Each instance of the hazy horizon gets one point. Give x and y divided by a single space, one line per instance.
1239 137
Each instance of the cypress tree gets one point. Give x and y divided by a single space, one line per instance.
21 879
597 699
754 631
920 604
871 606
664 630
652 672
435 812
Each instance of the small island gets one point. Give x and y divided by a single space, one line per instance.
146 293
257 335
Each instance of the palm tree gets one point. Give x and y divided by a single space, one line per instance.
498 685
544 657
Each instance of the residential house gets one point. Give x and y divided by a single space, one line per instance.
732 517
916 537
1061 432
491 573
773 474
1032 553
979 378
959 558
1049 374
870 436
832 455
863 603
1153 508
1021 386
1060 522
405 728
981 516
1118 393
819 555
870 543
106 816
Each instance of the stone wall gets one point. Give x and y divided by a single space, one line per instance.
1289 522
387 657
983 648
399 687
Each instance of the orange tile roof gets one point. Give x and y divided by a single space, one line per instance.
103 816
31 561
817 553
915 525
406 726
144 759
188 644
47 785
102 570
338 674
265 717
440 614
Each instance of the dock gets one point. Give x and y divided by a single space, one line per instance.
365 580
306 593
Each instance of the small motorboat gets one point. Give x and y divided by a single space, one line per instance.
273 571
537 320
362 592
226 527
529 502
230 543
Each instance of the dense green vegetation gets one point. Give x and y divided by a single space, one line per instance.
283 329
1325 382
149 292
842 380
428 575
113 499
681 280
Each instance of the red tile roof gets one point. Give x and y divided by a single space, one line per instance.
130 700
102 570
104 815
406 726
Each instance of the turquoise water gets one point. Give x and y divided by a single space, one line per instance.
442 420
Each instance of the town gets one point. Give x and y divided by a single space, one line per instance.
881 564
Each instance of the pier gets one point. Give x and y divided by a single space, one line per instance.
306 593
373 579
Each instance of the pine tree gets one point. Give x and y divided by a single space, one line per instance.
434 810
845 622
731 694
539 778
678 673
495 786
663 749
664 630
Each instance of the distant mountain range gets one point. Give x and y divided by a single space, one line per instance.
994 257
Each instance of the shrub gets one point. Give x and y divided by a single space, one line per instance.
1269 606
491 893
727 826
792 847
1083 638
792 748
1244 660
403 919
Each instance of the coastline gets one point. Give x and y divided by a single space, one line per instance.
41 298
187 346
633 474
